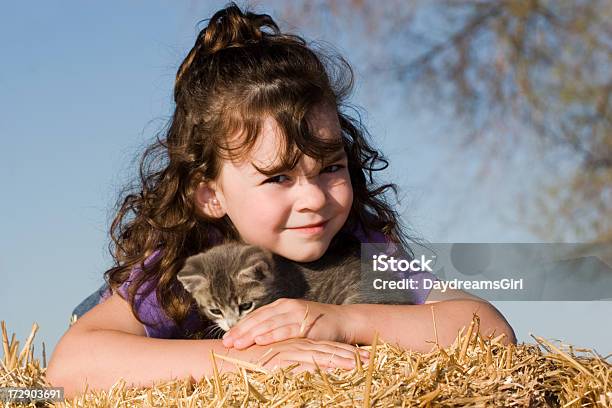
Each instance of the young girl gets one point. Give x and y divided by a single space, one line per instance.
258 150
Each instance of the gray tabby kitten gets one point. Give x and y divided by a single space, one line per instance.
230 280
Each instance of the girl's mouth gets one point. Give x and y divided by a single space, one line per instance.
312 229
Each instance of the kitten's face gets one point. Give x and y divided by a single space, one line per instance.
229 281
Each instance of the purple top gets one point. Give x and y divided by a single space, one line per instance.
159 325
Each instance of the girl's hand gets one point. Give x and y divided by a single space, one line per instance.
327 354
285 319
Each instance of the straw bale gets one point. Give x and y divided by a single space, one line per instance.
475 371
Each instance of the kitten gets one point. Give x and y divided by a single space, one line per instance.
230 280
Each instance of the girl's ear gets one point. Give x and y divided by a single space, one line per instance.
209 200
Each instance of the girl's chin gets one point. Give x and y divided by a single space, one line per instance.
307 252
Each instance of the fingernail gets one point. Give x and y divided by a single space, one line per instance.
238 343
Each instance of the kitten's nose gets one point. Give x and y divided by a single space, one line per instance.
231 322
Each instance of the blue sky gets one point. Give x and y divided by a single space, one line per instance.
84 86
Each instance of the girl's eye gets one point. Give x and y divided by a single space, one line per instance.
216 312
275 179
339 167
245 306
278 180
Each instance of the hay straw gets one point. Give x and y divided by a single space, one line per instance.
26 347
368 385
433 318
358 362
561 353
5 345
324 377
250 389
244 364
489 374
303 325
218 386
466 342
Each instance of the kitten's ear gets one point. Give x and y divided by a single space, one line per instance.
191 277
191 282
262 268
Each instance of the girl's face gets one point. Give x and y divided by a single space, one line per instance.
272 211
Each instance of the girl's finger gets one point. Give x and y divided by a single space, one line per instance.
309 367
247 338
279 334
252 320
347 347
332 360
330 357
264 312
333 348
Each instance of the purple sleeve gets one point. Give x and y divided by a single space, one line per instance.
157 323
418 296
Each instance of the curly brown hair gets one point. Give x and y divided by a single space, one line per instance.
235 76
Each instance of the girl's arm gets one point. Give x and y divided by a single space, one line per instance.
108 343
412 327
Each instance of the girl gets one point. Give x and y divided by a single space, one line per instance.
258 150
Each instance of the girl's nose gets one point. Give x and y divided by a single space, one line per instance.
310 195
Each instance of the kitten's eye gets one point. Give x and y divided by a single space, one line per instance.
216 312
245 306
